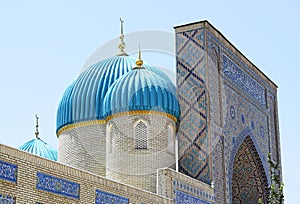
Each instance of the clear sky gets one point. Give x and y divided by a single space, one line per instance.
43 45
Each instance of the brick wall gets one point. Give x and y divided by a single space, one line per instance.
24 190
83 147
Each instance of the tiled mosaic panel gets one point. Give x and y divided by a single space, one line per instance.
57 185
5 199
242 120
241 115
184 198
8 171
191 71
108 198
249 183
184 187
241 78
245 110
217 107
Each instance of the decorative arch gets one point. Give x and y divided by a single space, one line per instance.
171 138
248 179
215 57
141 134
110 136
143 118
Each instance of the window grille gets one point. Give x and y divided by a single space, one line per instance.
140 135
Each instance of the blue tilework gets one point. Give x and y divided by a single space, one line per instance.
57 185
5 199
241 78
183 198
184 187
224 50
108 198
192 95
247 93
8 171
238 130
232 112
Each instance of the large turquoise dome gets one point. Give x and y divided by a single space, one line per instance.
141 90
39 147
83 99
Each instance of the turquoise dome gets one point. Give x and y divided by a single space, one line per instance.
40 148
83 99
141 89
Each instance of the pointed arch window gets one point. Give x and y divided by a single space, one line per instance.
171 139
110 137
140 135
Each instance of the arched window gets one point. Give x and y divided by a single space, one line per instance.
140 135
171 139
110 134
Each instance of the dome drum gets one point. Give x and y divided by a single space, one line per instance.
138 145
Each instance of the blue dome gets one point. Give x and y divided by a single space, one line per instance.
40 148
141 89
83 99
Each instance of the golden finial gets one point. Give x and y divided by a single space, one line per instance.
122 44
37 127
139 61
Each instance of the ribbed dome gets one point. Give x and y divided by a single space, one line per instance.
40 148
141 89
83 99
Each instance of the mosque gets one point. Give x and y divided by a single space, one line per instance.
127 134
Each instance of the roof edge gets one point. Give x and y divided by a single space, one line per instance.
206 24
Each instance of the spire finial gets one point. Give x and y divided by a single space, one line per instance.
121 21
37 127
139 61
122 44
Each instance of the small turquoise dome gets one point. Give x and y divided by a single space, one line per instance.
40 148
141 89
83 99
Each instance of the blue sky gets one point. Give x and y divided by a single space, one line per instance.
43 45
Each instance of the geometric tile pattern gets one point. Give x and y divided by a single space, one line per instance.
192 191
249 182
8 171
184 198
57 185
217 108
108 198
194 158
5 199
